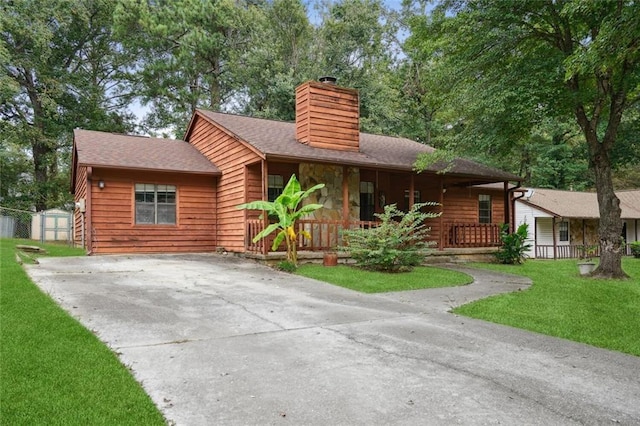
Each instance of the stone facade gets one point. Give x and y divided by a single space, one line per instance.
331 195
590 231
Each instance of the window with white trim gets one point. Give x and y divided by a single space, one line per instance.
484 208
367 201
155 204
275 186
563 231
416 198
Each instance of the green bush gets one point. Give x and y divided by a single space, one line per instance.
514 245
635 249
287 266
396 244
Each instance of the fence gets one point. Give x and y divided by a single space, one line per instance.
15 223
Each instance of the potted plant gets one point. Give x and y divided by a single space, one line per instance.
586 265
330 258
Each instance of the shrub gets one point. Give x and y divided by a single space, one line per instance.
396 244
635 249
287 266
514 245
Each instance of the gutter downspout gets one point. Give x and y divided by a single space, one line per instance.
555 239
512 206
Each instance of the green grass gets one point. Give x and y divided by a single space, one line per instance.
602 313
378 282
52 369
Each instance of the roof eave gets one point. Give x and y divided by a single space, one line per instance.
149 169
396 167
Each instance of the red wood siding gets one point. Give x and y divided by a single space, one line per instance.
327 116
80 193
462 205
230 156
254 188
113 228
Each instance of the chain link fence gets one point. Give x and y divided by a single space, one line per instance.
15 223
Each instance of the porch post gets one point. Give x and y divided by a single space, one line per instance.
535 235
265 197
87 207
507 206
412 187
440 219
555 242
345 197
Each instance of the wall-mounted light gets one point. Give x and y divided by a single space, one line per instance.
444 190
101 184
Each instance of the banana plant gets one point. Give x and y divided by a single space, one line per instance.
287 209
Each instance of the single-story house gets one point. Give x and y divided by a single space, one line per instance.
563 223
140 194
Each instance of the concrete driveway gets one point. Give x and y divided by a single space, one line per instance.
219 340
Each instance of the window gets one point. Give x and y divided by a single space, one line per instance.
563 230
367 201
276 185
416 198
484 208
155 204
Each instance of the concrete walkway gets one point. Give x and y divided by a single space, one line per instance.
220 340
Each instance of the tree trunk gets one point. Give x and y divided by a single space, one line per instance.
610 228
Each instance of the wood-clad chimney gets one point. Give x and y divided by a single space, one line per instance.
328 116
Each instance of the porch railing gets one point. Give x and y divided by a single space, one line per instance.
325 234
573 251
460 235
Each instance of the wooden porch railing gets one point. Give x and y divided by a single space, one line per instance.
573 251
459 235
325 234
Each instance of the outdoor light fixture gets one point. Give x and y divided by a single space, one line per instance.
101 184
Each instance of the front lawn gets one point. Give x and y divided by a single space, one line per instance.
52 369
378 282
603 313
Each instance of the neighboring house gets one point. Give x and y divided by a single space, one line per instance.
137 194
563 223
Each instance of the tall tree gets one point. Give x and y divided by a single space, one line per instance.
278 59
60 69
519 62
355 42
188 52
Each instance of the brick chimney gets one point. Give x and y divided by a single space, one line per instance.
327 116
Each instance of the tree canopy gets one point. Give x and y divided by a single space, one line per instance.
556 79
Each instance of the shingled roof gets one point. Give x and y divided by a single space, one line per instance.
581 205
111 150
276 140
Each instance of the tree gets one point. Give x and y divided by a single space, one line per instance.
519 62
188 54
277 60
61 69
287 210
355 43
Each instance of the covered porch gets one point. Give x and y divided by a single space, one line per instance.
471 208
